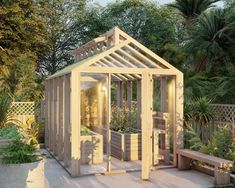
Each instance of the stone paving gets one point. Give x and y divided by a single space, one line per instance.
49 174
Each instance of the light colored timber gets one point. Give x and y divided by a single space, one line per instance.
75 123
124 59
108 121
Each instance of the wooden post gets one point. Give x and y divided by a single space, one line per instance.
66 99
56 117
52 120
163 91
179 105
155 147
129 97
47 124
116 36
146 121
120 94
61 119
138 104
108 121
75 123
129 94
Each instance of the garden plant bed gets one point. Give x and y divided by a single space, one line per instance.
92 148
124 146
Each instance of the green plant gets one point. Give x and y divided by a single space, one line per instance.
198 113
221 145
123 119
10 132
85 131
31 131
19 152
194 141
6 117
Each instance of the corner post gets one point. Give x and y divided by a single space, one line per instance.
139 104
75 123
163 91
108 121
146 121
178 84
47 124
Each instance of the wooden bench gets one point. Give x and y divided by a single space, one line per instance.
222 167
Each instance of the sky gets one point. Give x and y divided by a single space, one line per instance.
161 2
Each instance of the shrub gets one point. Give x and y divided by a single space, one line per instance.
23 147
194 140
198 114
10 132
221 145
123 119
19 152
5 117
30 131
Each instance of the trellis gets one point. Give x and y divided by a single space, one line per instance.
224 113
22 111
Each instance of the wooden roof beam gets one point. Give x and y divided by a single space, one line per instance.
141 56
118 56
124 77
133 59
121 65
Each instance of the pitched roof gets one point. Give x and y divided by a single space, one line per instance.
113 49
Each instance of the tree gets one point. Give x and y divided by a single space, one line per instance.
22 40
62 18
191 9
154 26
213 42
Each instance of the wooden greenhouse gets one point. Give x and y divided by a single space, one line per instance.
113 59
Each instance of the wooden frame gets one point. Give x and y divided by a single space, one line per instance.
122 59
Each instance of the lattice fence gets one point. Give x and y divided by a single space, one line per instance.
22 108
22 111
224 113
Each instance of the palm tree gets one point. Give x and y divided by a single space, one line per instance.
212 42
191 9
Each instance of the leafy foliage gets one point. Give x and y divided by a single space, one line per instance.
190 10
10 132
30 132
5 117
22 40
199 110
222 145
194 140
85 131
143 20
62 18
23 147
123 119
213 41
19 152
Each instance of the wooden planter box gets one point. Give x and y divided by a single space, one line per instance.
123 146
92 149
